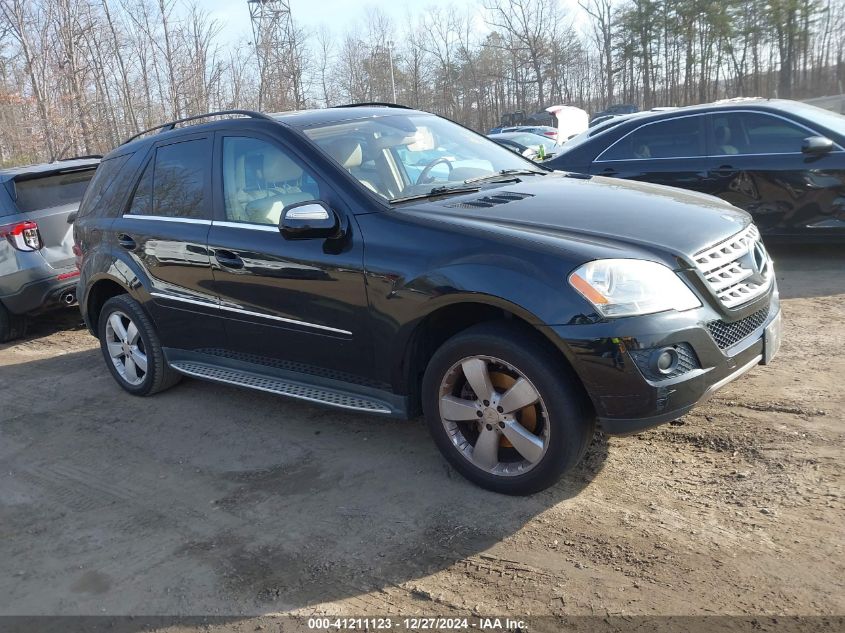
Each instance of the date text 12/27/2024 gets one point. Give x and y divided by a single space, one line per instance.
414 624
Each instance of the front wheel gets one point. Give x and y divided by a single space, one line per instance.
131 348
504 410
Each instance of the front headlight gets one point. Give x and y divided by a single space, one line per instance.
625 287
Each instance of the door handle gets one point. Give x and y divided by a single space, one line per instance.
228 259
723 171
126 242
608 171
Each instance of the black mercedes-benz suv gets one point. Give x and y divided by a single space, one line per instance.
388 261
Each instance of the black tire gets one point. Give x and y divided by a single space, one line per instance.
158 375
569 415
12 326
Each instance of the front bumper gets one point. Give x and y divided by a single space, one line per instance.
628 397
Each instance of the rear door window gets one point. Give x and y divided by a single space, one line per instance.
50 191
681 137
175 182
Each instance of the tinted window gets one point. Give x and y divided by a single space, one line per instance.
755 133
142 201
102 182
173 183
260 180
674 138
52 191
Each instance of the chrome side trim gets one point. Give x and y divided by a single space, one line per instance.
165 295
630 160
162 218
730 378
285 320
220 306
247 225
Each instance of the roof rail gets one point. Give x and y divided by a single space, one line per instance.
380 104
166 127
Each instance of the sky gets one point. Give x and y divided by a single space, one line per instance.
337 15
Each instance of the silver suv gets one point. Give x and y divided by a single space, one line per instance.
37 264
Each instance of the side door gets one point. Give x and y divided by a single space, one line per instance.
292 303
164 230
757 164
666 152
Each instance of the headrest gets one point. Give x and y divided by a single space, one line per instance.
347 152
280 168
723 134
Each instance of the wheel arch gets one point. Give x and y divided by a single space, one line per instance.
447 318
99 291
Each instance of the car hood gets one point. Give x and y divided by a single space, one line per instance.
595 210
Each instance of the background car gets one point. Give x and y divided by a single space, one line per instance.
526 144
541 130
782 161
614 110
37 266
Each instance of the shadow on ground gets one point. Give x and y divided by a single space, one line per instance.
209 499
809 270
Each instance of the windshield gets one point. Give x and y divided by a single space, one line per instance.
401 156
829 119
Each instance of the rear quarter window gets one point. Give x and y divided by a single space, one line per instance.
102 183
54 190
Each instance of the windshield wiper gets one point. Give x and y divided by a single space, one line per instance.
505 175
437 191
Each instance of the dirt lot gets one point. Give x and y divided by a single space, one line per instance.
212 500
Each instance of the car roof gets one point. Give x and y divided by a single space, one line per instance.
322 116
10 173
294 118
725 104
512 135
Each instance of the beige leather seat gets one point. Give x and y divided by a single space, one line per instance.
349 154
259 194
279 175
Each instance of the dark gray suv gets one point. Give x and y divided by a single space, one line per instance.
37 267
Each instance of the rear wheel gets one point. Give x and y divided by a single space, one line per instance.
504 411
12 326
131 348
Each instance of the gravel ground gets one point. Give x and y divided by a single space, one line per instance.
217 501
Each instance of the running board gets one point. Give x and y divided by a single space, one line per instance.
270 384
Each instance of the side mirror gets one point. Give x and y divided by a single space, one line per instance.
816 145
312 219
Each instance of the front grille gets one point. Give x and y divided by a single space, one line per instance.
737 270
729 334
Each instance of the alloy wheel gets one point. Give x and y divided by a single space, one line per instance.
494 415
126 348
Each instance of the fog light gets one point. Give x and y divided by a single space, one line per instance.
664 361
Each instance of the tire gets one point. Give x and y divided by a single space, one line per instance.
12 326
560 420
136 377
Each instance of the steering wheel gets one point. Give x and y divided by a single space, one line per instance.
425 175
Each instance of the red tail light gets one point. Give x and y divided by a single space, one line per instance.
550 134
24 236
77 252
